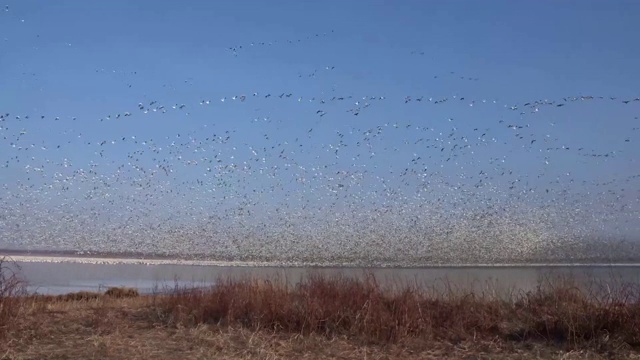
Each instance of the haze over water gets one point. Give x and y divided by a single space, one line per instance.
406 133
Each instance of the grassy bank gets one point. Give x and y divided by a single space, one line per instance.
321 317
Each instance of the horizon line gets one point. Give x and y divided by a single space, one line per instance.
290 264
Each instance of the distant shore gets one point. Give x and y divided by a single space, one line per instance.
83 254
143 259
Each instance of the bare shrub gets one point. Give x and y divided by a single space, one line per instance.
12 288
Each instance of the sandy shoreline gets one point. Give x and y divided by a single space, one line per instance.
168 261
70 256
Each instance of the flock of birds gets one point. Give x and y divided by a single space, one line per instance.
342 185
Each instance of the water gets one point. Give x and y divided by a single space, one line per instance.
67 276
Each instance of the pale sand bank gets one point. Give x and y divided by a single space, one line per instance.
168 261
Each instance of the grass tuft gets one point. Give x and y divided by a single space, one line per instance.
122 292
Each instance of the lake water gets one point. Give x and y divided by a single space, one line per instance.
53 276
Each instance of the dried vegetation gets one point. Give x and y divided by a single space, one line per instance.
322 317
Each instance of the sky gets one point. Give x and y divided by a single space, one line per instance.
435 86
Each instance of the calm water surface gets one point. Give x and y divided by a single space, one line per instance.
58 278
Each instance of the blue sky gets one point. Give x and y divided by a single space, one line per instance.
82 61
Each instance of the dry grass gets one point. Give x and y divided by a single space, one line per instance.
557 312
322 318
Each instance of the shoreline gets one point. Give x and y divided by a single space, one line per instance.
113 260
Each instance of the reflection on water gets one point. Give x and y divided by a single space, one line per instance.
56 278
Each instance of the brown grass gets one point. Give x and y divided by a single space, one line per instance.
326 317
557 312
